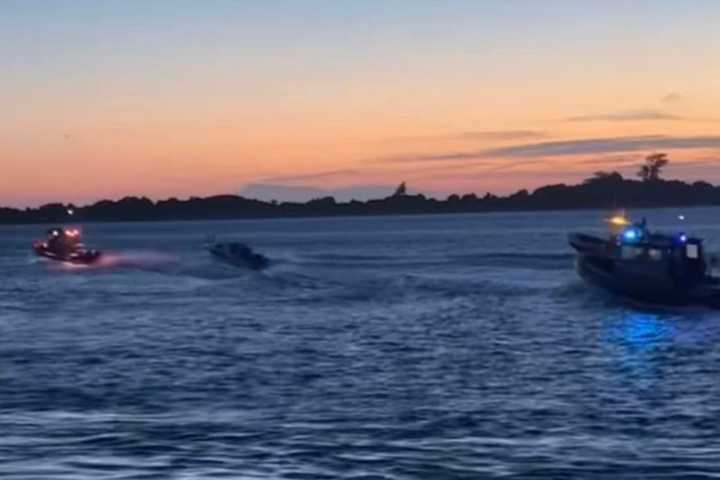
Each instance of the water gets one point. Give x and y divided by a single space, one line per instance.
399 347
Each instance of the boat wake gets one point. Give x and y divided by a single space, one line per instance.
148 260
532 261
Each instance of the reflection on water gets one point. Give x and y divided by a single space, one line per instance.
650 347
637 342
646 332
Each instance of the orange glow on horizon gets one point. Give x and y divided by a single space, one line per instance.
258 97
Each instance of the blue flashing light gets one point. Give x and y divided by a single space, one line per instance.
683 238
631 234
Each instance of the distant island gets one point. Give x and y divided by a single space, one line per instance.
606 190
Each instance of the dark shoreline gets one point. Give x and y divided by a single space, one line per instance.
76 220
606 193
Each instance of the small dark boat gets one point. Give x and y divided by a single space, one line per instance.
66 245
650 267
239 255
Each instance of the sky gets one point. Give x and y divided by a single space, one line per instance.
182 98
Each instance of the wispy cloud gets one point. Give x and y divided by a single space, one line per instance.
626 116
707 162
604 145
672 97
311 176
505 166
613 159
481 135
303 193
587 146
500 135
434 157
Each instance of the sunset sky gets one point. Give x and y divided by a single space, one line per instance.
102 99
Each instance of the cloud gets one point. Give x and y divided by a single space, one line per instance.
708 162
311 176
302 193
501 135
588 146
503 167
613 160
483 135
672 97
626 116
435 157
604 145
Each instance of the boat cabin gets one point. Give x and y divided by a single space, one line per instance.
64 239
678 255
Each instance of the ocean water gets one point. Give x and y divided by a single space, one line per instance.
417 347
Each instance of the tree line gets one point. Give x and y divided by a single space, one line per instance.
603 189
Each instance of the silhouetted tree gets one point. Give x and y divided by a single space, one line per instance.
654 164
600 191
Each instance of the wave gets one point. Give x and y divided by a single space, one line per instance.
514 255
336 277
531 260
136 259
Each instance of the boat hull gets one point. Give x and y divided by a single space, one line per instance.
84 257
243 257
645 287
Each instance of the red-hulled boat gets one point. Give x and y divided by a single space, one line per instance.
66 245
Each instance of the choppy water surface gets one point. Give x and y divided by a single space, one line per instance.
399 347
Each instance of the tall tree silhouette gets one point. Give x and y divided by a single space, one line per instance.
401 190
654 163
